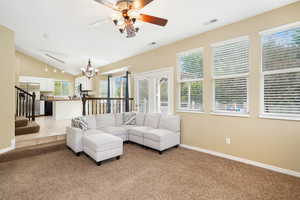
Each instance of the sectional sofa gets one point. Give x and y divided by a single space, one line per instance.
156 131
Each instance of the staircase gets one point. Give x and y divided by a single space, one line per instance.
24 126
25 113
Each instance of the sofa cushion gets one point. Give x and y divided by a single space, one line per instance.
93 132
102 142
129 118
115 130
159 134
118 119
105 120
152 120
91 121
170 122
140 118
139 130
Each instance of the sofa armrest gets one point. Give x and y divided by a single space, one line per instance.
74 139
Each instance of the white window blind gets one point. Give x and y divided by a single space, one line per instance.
190 76
231 67
281 73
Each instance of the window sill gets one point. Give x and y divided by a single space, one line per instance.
276 117
189 111
230 114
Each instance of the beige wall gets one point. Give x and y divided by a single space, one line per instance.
274 142
7 66
29 66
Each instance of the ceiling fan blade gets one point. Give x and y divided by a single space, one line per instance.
139 4
153 20
106 3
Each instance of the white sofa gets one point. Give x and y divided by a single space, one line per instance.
156 131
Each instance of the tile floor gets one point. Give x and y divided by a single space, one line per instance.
50 130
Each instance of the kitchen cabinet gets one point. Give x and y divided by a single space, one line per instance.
46 84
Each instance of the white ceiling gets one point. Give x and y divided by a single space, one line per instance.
62 28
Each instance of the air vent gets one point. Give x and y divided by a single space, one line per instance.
54 58
211 22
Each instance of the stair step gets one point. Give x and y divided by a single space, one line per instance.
31 127
21 122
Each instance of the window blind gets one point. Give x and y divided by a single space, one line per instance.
281 72
191 80
191 66
231 94
231 67
231 58
281 50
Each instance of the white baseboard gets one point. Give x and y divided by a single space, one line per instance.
249 162
11 147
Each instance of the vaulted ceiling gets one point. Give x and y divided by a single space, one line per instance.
62 28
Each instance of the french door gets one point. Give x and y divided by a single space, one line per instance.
154 91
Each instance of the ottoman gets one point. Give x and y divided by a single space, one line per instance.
102 146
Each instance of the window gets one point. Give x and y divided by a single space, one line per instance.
61 88
230 75
190 76
281 73
103 88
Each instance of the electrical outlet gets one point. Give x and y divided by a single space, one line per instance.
228 140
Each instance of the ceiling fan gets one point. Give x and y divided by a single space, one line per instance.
127 13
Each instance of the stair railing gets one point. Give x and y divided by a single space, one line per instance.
25 104
97 105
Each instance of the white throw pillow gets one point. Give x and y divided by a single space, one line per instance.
152 120
140 118
129 118
170 122
105 120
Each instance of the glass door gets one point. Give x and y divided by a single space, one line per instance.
155 91
143 95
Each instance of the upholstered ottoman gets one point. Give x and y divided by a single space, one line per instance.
102 146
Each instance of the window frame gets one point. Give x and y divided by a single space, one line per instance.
262 113
246 75
69 87
189 81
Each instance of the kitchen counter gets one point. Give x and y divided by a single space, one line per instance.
66 109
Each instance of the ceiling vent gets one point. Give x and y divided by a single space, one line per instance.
211 22
54 58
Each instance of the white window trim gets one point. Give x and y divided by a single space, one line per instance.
247 75
179 81
279 28
179 108
262 75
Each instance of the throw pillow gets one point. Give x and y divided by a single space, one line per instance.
79 122
129 118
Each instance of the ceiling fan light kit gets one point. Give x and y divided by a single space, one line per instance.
127 14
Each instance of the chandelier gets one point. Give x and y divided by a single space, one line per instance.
89 71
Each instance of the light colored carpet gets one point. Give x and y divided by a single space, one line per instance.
53 172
